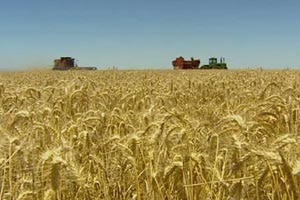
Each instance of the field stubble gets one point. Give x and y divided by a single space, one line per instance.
150 135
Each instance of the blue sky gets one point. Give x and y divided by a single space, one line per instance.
149 33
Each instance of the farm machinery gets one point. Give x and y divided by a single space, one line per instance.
180 63
68 63
214 64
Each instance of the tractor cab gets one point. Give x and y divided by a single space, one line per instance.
213 61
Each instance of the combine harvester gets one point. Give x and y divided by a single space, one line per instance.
68 63
180 63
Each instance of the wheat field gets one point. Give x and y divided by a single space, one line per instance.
190 135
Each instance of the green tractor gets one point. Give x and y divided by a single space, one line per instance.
213 64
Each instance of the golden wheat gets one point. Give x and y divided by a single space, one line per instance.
150 135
